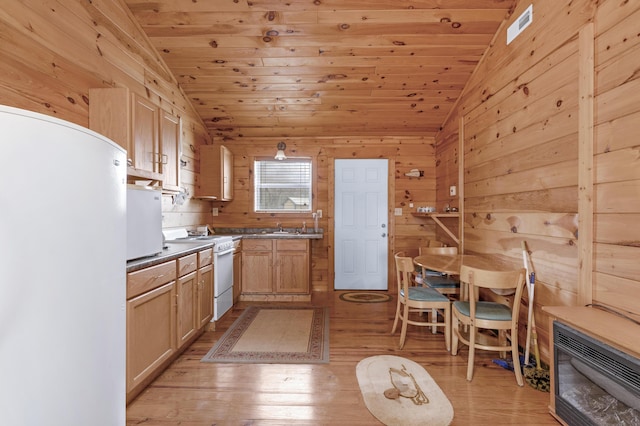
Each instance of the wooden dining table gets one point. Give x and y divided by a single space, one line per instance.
450 264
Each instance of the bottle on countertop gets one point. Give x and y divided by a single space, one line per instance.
304 227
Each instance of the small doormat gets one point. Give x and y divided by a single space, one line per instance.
365 297
275 335
398 391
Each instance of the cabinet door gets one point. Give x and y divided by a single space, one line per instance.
292 272
292 266
151 332
146 153
237 275
205 295
171 146
216 173
227 174
110 115
257 271
187 308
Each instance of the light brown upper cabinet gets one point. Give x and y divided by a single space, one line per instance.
216 173
151 135
171 143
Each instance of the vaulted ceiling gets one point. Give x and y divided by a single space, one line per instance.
287 68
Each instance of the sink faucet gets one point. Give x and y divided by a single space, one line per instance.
279 226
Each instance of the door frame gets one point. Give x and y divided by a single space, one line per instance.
391 220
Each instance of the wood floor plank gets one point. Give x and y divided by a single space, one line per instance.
194 393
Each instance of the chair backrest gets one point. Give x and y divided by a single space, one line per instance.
404 269
449 251
479 278
432 243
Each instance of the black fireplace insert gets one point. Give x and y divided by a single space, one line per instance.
595 384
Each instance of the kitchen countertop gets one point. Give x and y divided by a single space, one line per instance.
268 233
173 251
290 235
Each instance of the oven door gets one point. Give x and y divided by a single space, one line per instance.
222 271
222 283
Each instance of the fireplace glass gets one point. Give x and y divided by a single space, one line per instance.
595 384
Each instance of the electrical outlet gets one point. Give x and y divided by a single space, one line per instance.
214 211
319 213
452 190
398 211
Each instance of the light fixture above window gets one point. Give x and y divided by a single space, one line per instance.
280 154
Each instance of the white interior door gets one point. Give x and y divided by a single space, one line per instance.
361 224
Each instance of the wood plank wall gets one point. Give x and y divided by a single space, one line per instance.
616 272
527 132
53 52
406 231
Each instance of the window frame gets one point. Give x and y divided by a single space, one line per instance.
276 213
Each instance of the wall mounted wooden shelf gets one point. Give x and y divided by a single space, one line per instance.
436 218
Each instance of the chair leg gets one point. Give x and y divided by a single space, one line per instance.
447 328
454 335
395 321
516 357
472 351
403 332
434 319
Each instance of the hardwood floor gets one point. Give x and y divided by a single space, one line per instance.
193 393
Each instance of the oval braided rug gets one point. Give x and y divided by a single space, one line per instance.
365 297
398 391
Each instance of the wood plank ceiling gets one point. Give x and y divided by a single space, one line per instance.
294 68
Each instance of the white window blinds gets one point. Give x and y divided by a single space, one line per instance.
282 185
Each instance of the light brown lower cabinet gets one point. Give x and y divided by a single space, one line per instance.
168 306
237 271
205 287
187 299
276 269
151 321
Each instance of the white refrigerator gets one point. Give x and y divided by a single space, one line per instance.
62 273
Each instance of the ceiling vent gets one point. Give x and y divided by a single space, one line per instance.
520 24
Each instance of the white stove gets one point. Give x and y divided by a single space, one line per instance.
223 248
223 243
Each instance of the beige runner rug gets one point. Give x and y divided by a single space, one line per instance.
275 335
398 391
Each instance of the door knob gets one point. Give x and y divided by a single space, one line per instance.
384 235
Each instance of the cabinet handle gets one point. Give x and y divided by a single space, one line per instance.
159 158
157 277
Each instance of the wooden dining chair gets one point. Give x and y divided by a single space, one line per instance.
475 315
445 284
416 299
426 245
433 243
